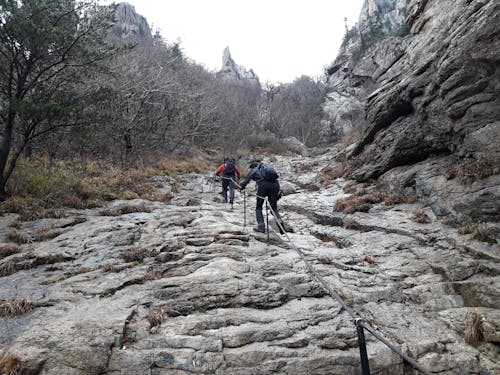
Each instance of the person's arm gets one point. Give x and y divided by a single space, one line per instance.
247 179
220 170
238 172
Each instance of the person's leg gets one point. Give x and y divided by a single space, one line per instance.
231 191
225 184
261 226
272 190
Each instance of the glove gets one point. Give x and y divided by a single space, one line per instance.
280 194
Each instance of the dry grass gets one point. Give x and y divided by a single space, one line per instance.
352 224
478 232
9 249
10 364
43 187
134 255
14 307
152 275
329 174
350 139
471 170
451 222
125 209
18 237
45 234
361 201
350 189
368 259
110 267
155 318
473 329
421 217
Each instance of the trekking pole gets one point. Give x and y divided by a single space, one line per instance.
267 219
244 208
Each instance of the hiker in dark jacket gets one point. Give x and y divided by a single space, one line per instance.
266 187
228 171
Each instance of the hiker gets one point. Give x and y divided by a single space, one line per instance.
268 186
228 170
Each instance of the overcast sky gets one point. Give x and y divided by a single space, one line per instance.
279 39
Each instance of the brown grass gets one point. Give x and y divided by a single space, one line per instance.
155 318
358 202
329 174
421 217
451 222
134 255
10 364
110 267
125 209
350 189
9 249
44 188
18 237
352 224
14 307
471 170
351 139
368 259
473 329
45 234
152 275
478 232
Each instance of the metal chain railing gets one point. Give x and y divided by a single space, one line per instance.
360 324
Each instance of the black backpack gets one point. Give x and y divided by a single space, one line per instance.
230 167
267 172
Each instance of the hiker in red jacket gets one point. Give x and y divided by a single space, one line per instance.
229 172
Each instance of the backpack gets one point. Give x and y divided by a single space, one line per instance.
267 172
230 166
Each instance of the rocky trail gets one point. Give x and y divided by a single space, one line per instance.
184 288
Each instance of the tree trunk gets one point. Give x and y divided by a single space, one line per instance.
5 145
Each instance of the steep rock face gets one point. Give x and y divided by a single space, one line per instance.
431 98
236 73
362 60
130 27
185 288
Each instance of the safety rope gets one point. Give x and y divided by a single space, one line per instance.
358 320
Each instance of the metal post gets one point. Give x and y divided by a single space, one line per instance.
244 208
365 366
267 220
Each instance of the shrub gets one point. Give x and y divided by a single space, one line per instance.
14 307
42 188
15 236
480 233
134 255
155 318
46 234
125 209
9 249
473 329
471 170
421 217
10 364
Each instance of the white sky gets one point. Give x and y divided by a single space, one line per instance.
279 39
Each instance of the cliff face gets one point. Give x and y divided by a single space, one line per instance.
236 73
425 94
130 27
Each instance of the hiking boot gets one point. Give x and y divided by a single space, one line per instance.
259 229
231 201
